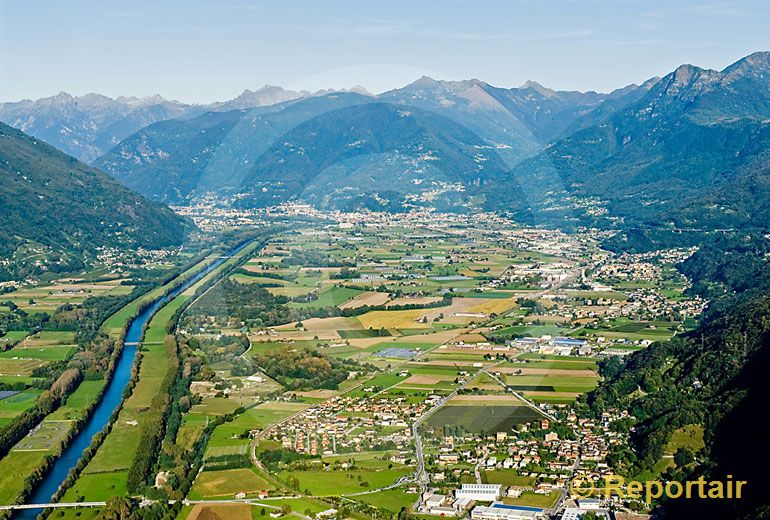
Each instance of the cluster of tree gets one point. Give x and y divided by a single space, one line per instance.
306 369
242 302
274 458
223 348
228 461
129 508
346 273
307 257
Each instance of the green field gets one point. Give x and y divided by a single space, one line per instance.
54 337
17 404
226 483
392 499
330 297
15 467
532 499
13 336
335 483
97 486
214 406
583 364
19 366
230 433
156 330
556 383
77 402
39 353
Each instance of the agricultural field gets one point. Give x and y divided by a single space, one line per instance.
227 483
551 379
334 483
32 352
48 297
229 511
479 416
16 403
530 499
13 336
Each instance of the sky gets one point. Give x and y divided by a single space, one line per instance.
201 51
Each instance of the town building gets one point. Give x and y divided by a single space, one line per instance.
481 492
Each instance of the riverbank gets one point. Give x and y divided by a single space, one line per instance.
107 473
42 470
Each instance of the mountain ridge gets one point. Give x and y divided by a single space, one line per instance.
40 185
666 156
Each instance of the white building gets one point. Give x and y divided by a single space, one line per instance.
431 500
483 492
574 513
505 512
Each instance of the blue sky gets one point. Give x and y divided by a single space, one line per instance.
198 51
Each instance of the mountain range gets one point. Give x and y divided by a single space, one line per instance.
684 151
691 152
88 126
231 152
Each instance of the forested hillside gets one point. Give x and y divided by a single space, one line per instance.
53 202
714 378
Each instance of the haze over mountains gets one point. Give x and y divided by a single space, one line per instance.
664 152
88 126
230 152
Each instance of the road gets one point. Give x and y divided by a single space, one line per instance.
420 476
144 503
477 469
522 398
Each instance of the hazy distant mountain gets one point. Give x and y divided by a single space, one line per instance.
174 160
52 199
88 126
692 151
377 155
316 149
267 95
689 148
516 121
214 151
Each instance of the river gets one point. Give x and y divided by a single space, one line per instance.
111 398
